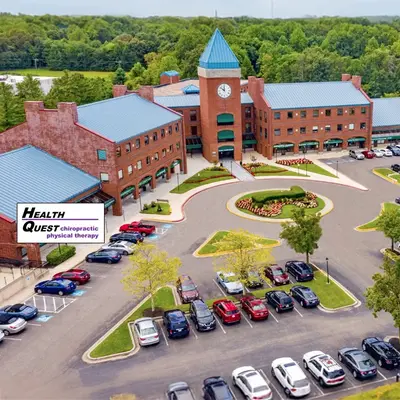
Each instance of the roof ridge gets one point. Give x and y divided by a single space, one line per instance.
15 150
306 82
108 100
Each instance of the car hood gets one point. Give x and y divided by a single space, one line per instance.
234 285
207 319
281 278
28 311
189 293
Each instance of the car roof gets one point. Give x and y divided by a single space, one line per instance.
254 378
185 278
175 314
302 288
199 304
279 293
293 369
327 361
145 322
228 304
275 267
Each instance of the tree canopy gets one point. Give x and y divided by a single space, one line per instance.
389 223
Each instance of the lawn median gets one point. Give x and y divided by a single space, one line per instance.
371 225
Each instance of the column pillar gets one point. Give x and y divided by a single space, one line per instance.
345 144
269 152
117 206
168 174
296 149
33 253
153 183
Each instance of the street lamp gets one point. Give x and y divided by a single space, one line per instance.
140 201
177 178
327 270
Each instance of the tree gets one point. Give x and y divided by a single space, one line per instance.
151 269
243 255
29 89
303 232
298 39
119 77
11 108
384 295
389 223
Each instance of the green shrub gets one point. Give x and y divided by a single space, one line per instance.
145 206
60 254
159 208
153 204
295 192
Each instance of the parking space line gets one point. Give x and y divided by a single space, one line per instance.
277 391
233 394
273 316
380 373
247 289
251 326
30 323
219 287
318 388
45 305
162 331
54 303
268 284
88 287
298 312
192 328
264 375
10 338
34 301
351 383
219 323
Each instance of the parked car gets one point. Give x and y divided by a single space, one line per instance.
176 324
55 286
395 167
11 325
368 154
394 149
254 280
138 226
324 368
79 276
20 311
132 237
305 296
251 383
301 271
186 288
201 316
255 308
215 388
121 247
180 391
378 153
230 282
147 332
277 275
2 335
397 200
280 300
227 311
356 154
104 256
291 377
358 362
386 152
384 353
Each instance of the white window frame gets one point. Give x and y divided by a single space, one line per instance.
104 177
139 164
120 174
130 169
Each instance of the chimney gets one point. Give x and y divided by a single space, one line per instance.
68 112
146 92
119 90
356 80
168 77
346 77
32 113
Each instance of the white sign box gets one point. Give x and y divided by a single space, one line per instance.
60 223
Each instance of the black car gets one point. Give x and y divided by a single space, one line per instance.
104 256
395 167
215 388
386 355
280 300
394 149
201 316
179 391
132 237
397 200
176 324
304 295
301 271
358 362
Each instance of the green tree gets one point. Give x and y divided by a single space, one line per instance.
151 269
303 232
298 39
11 108
119 77
384 295
389 223
29 89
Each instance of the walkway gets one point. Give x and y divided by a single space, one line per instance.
238 171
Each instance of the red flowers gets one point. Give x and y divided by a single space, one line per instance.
295 161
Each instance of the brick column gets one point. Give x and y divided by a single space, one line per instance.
33 253
269 153
153 183
117 206
168 174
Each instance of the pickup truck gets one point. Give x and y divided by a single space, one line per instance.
138 226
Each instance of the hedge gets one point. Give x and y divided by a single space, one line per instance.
295 192
60 254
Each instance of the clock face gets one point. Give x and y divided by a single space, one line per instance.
224 90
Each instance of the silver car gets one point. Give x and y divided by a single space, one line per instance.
1 336
146 331
180 391
121 247
10 325
356 154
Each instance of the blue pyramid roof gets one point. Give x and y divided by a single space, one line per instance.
218 54
170 73
191 89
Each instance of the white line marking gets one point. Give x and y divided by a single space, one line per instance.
383 376
251 326
54 303
162 331
193 329
273 316
351 383
264 375
219 323
298 312
34 300
88 287
219 287
45 305
318 388
30 323
268 284
64 302
233 394
276 390
9 338
246 288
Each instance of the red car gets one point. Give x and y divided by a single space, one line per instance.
368 154
138 226
227 311
79 276
277 275
255 308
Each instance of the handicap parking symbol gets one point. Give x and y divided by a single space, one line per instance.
43 318
167 226
153 237
78 293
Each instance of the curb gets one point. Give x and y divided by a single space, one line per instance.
386 178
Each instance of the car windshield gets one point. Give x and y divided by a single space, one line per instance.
148 331
335 374
259 307
11 320
260 388
230 278
188 287
367 363
203 313
277 272
232 312
82 274
301 383
221 392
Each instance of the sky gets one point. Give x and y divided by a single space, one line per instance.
186 8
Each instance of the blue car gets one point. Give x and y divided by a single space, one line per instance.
176 324
55 286
104 256
19 310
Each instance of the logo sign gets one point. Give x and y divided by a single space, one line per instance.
60 223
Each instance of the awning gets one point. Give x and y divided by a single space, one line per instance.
160 172
193 142
223 149
358 139
283 146
333 141
193 146
225 119
226 135
175 163
383 137
308 144
249 141
127 191
145 181
99 197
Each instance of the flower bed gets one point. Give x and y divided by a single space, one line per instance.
207 179
259 168
295 161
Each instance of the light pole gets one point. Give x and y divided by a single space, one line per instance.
337 168
140 201
306 169
231 167
298 169
177 178
327 270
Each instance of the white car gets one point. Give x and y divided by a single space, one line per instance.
378 153
1 336
120 246
291 377
324 368
386 152
229 282
251 383
146 331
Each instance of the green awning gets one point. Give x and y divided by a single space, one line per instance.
225 119
161 171
333 141
308 144
250 141
226 135
109 203
127 191
175 163
358 139
385 137
226 148
193 146
145 181
283 146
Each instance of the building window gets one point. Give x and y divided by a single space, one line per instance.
128 147
351 127
139 165
265 116
290 131
130 169
176 127
340 111
277 132
352 111
102 155
163 133
277 115
290 114
303 129
171 148
327 128
340 127
146 140
170 130
118 151
328 113
178 145
261 114
363 125
315 113
164 152
104 177
265 133
137 143
156 157
303 114
120 174
315 129
193 115
155 137
363 110
260 131
193 130
248 127
148 161
247 112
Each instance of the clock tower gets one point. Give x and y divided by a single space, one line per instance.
220 105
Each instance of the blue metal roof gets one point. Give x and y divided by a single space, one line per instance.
218 54
386 112
191 89
170 73
30 175
313 95
122 118
245 98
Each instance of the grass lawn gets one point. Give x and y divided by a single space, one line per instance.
385 392
372 224
120 340
315 168
166 209
47 72
203 177
272 170
386 172
209 247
